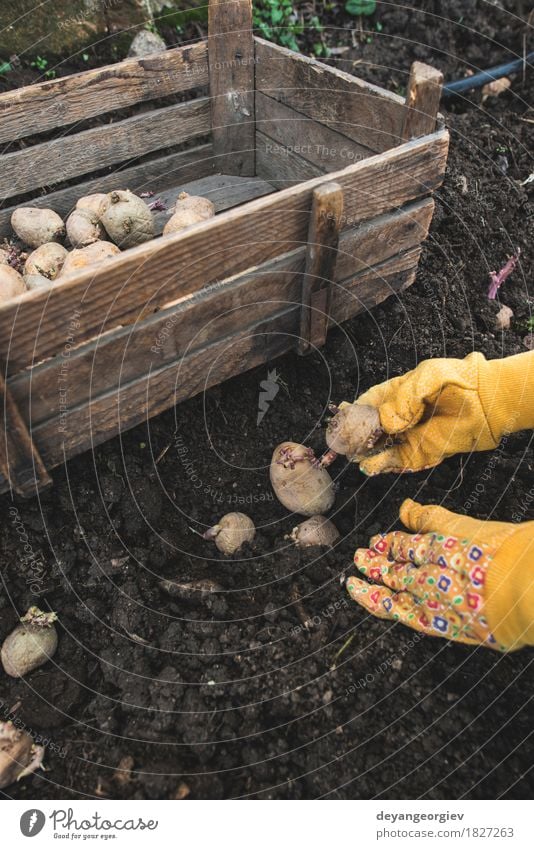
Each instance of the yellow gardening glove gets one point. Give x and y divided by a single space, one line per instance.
456 577
447 406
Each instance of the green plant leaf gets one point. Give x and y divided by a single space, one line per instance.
360 7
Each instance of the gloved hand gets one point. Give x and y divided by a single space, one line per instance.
447 406
460 578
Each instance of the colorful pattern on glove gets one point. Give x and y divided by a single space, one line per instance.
431 582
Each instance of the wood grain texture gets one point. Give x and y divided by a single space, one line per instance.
72 156
280 166
20 462
365 290
422 101
124 407
162 270
313 141
128 352
231 80
320 266
370 116
64 101
156 175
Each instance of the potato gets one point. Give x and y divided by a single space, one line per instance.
11 283
47 260
231 532
126 219
354 431
92 203
299 485
315 531
91 255
19 756
31 644
187 211
36 281
37 226
84 228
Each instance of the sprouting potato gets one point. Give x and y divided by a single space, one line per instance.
231 532
84 228
19 756
31 644
11 283
91 255
36 281
315 531
126 219
36 226
188 210
92 203
299 485
354 431
46 260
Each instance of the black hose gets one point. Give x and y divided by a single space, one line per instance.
483 77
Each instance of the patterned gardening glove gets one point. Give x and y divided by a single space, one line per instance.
447 406
460 578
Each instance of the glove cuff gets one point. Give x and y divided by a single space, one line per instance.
506 392
509 596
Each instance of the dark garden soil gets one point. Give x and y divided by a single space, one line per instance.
230 694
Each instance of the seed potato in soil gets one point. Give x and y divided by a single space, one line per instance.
228 691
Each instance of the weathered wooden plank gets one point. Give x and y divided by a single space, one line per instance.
149 276
156 175
422 101
320 266
323 147
125 354
57 103
91 424
280 166
20 461
231 74
369 115
75 155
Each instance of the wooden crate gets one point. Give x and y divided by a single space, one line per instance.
323 188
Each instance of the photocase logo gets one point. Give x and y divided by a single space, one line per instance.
269 390
32 822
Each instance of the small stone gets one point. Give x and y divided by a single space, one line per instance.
145 43
503 318
528 341
182 792
123 773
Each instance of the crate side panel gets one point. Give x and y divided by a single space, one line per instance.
145 278
299 134
74 156
91 424
129 352
64 101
